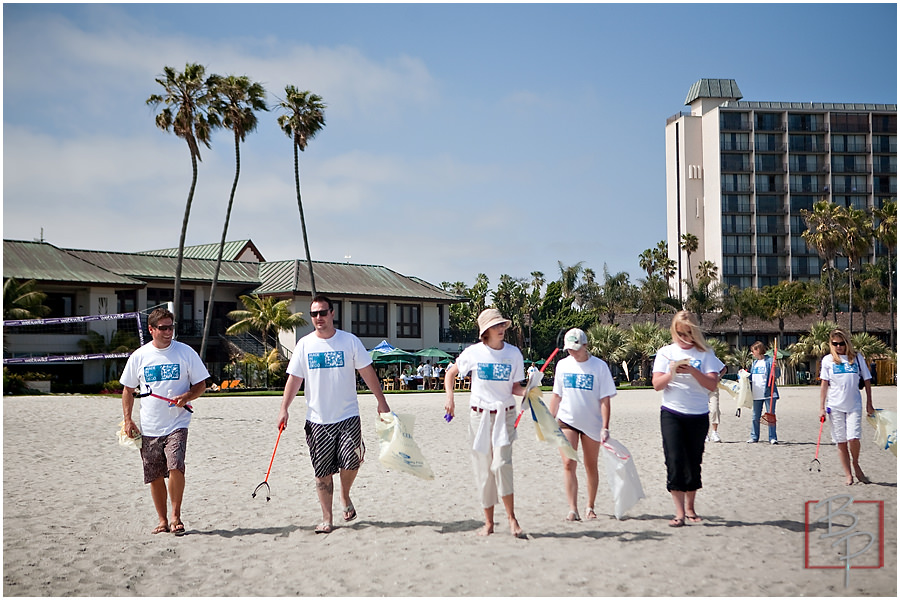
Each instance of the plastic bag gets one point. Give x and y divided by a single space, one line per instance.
398 450
622 476
885 424
126 440
545 426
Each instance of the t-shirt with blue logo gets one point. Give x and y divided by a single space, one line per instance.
493 374
843 382
581 386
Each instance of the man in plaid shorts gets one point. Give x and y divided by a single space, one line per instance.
328 360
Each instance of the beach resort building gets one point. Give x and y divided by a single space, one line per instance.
373 302
738 173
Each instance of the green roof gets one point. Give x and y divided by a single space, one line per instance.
714 88
45 262
231 251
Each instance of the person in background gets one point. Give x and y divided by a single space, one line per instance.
580 402
764 394
328 359
715 415
172 371
841 372
685 372
497 372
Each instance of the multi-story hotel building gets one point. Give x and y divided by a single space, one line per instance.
738 174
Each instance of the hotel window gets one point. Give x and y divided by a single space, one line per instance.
884 143
844 163
768 121
769 183
736 224
768 142
804 163
801 203
806 143
802 122
735 203
734 141
768 162
768 204
737 265
731 120
736 244
409 320
848 143
798 246
849 122
735 183
805 265
368 319
769 224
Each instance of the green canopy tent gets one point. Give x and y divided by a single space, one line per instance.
433 352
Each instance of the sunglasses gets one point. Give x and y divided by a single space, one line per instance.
165 327
838 343
319 313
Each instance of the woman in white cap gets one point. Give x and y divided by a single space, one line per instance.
582 388
497 372
685 372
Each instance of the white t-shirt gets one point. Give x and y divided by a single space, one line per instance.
843 382
329 368
684 394
759 380
493 374
581 386
168 372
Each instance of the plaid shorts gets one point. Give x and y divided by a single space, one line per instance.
335 447
163 454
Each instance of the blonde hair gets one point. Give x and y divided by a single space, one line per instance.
687 319
848 348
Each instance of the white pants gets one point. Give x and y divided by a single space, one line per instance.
494 471
845 426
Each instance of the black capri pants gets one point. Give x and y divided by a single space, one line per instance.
683 438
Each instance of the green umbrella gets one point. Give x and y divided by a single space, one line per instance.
433 352
781 353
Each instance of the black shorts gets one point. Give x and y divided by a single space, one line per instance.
335 447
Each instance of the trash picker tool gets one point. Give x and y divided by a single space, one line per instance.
265 482
815 465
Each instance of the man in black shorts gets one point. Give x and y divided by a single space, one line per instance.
328 359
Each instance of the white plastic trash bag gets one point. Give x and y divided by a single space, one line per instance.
744 393
126 440
885 424
622 476
398 450
546 428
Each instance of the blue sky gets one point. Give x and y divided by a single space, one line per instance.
460 138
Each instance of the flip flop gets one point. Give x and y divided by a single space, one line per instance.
177 528
590 513
676 522
694 518
161 529
349 513
324 528
573 516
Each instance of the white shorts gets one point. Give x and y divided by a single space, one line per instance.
845 426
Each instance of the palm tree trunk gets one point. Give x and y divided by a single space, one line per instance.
831 289
850 295
312 279
184 225
891 296
215 281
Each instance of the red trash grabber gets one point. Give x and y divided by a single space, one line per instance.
266 481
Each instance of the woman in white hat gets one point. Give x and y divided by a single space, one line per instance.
497 372
582 387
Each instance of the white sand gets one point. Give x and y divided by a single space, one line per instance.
77 517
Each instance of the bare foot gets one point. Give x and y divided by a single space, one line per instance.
849 480
488 529
515 529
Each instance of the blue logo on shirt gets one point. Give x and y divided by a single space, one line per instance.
157 373
494 371
326 360
759 370
578 381
846 368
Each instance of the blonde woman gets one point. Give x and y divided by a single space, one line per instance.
685 372
497 372
841 373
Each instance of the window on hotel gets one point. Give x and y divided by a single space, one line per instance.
798 245
849 122
768 142
409 320
732 120
735 203
884 143
735 223
368 319
734 141
736 244
768 121
768 162
768 204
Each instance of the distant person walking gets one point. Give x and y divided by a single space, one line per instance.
841 372
582 388
497 372
328 359
685 372
170 370
764 393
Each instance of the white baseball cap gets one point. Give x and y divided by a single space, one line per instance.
575 339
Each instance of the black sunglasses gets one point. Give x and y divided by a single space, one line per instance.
165 327
319 313
838 343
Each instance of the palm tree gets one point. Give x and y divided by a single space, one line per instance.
689 244
121 341
607 342
869 346
617 294
886 233
823 235
815 344
740 303
186 101
23 300
266 315
568 279
644 339
304 119
856 236
786 299
235 100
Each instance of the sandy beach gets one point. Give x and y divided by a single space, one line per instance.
77 517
